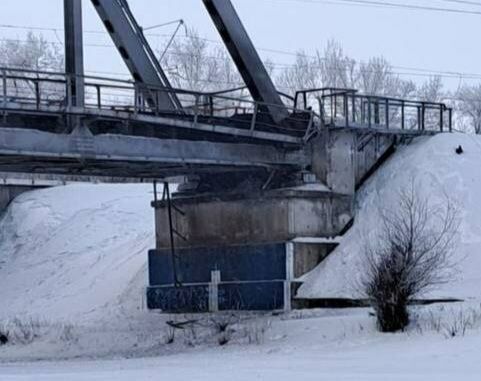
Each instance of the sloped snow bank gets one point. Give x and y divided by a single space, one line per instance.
75 253
436 168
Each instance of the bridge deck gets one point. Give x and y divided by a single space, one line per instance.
117 133
26 150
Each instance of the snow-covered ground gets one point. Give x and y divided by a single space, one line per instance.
75 252
436 170
73 266
332 345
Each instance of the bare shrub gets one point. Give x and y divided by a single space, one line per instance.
461 322
3 337
26 331
414 255
169 335
223 326
255 331
67 333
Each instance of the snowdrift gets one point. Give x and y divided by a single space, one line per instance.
75 252
434 165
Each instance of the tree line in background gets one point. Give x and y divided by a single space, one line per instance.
194 63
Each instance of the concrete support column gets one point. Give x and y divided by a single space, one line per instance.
334 162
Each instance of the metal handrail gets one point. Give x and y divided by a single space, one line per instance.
40 87
347 109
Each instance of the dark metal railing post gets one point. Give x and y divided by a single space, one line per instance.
387 113
363 111
403 116
138 99
419 117
99 97
441 118
157 102
69 93
423 116
450 112
5 95
346 109
377 116
37 94
5 91
155 194
369 112
353 108
254 117
211 105
196 109
335 106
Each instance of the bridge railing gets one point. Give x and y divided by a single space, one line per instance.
49 92
347 108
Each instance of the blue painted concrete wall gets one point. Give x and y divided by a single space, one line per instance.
252 278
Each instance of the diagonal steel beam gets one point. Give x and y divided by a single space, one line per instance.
136 52
246 57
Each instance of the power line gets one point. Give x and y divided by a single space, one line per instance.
408 71
375 3
465 2
416 72
276 51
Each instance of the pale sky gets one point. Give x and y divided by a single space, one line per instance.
428 40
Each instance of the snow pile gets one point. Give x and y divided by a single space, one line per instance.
436 168
76 252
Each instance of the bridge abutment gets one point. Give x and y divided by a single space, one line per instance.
9 192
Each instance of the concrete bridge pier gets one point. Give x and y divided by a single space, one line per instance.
246 247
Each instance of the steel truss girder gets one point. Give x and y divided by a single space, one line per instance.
132 45
246 57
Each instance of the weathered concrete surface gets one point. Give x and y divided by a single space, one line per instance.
9 192
274 216
342 158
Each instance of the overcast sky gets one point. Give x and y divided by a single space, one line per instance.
421 39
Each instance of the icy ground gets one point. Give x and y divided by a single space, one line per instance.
73 271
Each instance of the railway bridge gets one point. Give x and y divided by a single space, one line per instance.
269 181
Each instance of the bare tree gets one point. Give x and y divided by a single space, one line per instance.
302 75
469 105
194 65
414 255
35 53
431 90
336 68
376 77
